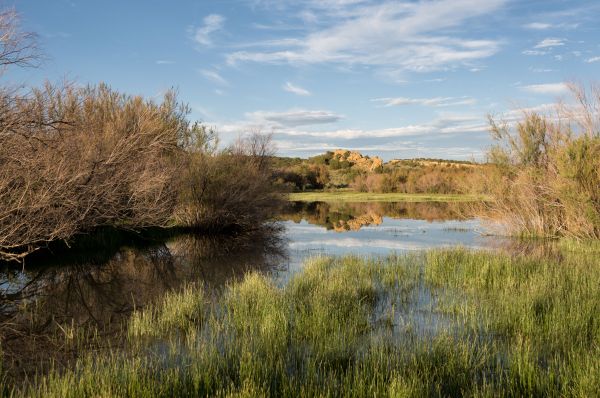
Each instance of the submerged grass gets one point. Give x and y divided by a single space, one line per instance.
514 326
543 315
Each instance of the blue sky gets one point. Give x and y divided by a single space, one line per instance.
391 78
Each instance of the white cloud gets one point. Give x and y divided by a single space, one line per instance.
293 118
548 88
292 88
402 35
540 70
593 59
538 26
213 77
441 125
516 115
211 24
287 123
550 42
164 62
546 26
389 150
436 101
535 52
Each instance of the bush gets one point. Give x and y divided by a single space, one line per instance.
578 165
548 181
229 190
75 159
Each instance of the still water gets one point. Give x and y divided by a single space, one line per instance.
42 301
379 229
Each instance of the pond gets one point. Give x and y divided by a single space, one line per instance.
41 305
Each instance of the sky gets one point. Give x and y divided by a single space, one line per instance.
398 79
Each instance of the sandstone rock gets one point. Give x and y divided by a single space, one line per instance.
357 160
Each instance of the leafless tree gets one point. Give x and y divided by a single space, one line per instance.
17 47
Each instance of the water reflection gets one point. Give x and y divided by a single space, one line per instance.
40 306
344 216
379 228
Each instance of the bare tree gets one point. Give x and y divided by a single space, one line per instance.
17 47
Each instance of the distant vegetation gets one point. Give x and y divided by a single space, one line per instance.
542 177
353 196
548 170
350 169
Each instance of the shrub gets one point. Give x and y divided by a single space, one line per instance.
74 159
229 190
548 181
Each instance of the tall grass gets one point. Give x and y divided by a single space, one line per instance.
542 315
504 326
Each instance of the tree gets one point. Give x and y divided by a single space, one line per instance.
16 46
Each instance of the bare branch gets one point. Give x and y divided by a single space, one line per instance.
17 48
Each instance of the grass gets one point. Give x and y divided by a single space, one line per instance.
499 325
351 196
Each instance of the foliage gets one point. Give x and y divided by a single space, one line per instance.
75 159
548 181
399 176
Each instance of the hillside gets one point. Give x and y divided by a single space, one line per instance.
350 169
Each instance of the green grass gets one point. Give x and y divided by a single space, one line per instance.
443 323
350 196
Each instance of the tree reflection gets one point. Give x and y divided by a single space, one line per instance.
41 307
344 216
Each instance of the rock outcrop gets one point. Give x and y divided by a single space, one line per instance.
357 160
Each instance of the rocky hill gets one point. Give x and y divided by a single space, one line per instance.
357 160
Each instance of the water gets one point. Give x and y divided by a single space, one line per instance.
100 291
379 228
97 289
